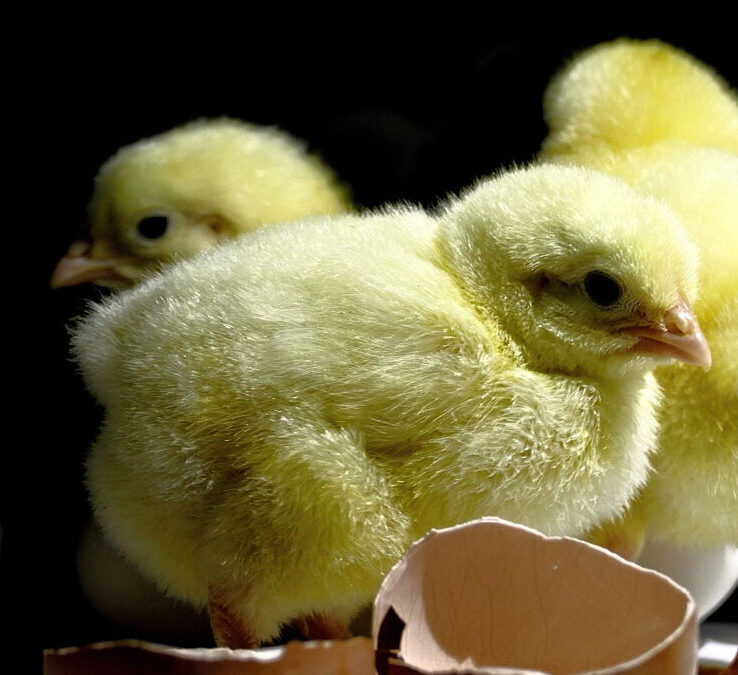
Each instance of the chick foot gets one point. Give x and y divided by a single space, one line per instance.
229 630
319 626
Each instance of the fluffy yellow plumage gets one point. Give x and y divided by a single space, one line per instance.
168 197
653 115
286 413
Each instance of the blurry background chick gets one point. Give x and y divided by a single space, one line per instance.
664 122
121 594
286 413
170 196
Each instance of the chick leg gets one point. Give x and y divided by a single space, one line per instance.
229 629
313 527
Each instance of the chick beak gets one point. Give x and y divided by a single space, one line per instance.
78 267
679 336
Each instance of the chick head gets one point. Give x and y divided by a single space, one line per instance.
586 275
173 195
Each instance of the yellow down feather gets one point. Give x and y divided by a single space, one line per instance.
287 412
668 125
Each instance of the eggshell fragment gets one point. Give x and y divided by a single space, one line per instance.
495 597
340 657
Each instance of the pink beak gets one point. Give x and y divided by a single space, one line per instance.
680 337
77 267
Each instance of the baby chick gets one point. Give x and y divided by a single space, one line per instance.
653 115
173 195
286 413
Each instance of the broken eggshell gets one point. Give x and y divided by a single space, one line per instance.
492 596
133 657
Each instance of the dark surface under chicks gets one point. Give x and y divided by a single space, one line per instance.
399 119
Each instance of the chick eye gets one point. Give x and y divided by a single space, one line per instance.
602 289
153 227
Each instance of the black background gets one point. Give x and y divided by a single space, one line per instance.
400 116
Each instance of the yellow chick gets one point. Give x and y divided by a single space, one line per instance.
656 117
286 413
170 196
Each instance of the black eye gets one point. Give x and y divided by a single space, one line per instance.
602 289
153 227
